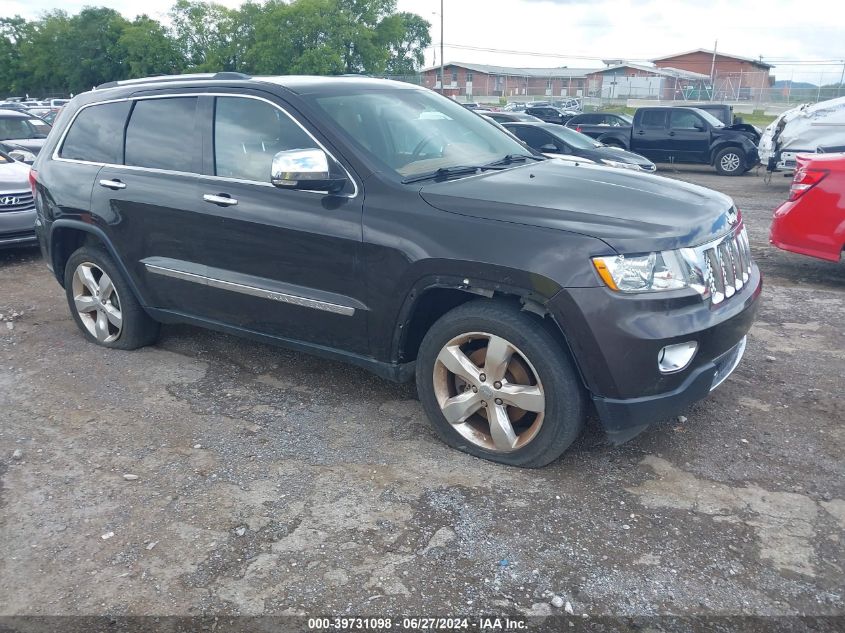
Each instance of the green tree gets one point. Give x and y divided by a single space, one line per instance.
405 36
12 32
150 49
202 31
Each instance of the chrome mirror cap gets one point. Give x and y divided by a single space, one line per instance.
304 169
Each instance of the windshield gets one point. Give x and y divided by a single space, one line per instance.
628 119
710 118
573 138
413 132
21 128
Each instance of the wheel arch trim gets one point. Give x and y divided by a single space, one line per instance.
474 287
78 225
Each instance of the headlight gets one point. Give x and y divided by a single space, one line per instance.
616 163
22 155
652 272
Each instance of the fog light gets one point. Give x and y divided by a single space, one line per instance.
676 357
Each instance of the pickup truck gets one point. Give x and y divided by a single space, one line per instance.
684 135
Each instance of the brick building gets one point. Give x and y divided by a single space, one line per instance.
734 77
637 81
467 80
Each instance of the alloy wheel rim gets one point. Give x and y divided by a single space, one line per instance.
97 302
489 391
730 162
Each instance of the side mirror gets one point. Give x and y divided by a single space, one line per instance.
304 169
549 148
699 126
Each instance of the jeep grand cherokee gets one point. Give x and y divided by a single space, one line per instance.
382 224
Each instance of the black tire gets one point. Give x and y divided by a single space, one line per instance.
730 162
565 401
137 328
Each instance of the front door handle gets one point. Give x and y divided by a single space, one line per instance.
222 200
671 134
113 184
641 132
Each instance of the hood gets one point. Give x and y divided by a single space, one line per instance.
806 128
617 154
737 131
631 211
14 177
33 145
752 131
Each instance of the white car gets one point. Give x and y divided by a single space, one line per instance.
17 208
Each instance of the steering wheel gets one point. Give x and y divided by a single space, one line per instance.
421 145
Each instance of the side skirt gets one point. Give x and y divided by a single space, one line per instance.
394 372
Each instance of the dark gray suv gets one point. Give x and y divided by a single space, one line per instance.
385 225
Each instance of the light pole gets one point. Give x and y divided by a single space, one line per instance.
442 61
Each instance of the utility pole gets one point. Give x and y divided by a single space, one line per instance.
841 78
713 72
442 61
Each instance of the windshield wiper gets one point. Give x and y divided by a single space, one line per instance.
509 159
446 172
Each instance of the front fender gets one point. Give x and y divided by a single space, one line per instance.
616 138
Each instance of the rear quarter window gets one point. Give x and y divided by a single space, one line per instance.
96 134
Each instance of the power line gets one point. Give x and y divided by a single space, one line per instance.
761 59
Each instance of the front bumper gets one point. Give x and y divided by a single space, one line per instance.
625 419
616 340
17 228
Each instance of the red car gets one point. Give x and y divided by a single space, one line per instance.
812 220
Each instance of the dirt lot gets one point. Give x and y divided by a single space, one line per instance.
270 482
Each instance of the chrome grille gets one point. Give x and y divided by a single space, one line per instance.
727 265
16 201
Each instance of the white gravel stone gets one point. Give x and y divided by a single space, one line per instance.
557 602
130 477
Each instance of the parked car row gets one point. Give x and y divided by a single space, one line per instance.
22 134
675 135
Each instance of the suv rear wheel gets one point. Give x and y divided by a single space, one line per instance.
497 385
103 305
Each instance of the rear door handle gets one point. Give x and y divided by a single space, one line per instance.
113 184
671 134
222 200
641 132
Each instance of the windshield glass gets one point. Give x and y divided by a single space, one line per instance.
21 128
628 119
573 138
413 132
710 118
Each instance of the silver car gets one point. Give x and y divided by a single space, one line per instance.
17 209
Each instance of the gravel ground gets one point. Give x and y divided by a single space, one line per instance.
269 482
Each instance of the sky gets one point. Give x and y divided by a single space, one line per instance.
580 33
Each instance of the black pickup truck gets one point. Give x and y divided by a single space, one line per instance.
683 135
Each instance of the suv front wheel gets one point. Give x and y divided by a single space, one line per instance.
730 162
102 303
496 384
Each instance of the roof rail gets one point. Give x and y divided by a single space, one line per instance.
165 78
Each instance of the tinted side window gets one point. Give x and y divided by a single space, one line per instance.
653 118
96 134
683 119
531 136
248 133
161 133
